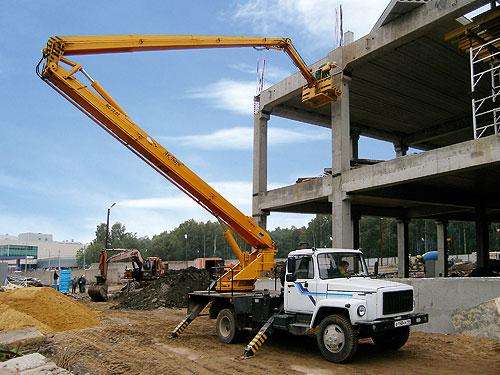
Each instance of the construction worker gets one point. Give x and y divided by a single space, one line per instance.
82 281
56 279
74 284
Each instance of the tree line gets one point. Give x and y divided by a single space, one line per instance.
193 239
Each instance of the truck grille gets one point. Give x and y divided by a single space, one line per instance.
397 302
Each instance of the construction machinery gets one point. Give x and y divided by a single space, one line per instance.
319 297
142 269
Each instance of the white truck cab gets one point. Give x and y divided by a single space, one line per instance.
330 293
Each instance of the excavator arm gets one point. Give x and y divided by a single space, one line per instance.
64 76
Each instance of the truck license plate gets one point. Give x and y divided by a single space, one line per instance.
402 323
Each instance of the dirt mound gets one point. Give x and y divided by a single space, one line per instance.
44 308
168 291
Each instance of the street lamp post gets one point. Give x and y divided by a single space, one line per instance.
106 242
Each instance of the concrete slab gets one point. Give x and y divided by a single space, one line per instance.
21 337
31 364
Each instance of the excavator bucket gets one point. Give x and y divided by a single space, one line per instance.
98 292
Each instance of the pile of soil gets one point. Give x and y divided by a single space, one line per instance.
168 291
43 308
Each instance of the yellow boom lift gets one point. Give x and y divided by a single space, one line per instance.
93 100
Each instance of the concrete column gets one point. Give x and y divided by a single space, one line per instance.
482 238
342 223
354 145
341 131
442 248
403 248
401 149
259 166
356 218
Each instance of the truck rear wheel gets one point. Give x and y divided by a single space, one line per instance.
227 330
393 339
337 339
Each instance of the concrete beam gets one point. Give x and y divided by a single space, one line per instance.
303 192
438 131
448 159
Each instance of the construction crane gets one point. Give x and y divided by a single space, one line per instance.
334 303
93 100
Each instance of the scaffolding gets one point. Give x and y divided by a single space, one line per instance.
485 87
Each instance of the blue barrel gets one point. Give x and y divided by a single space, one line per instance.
65 281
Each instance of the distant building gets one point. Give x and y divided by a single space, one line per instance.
50 253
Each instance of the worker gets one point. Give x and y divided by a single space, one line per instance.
82 281
56 279
74 284
344 268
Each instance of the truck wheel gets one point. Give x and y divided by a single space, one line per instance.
337 339
393 339
226 326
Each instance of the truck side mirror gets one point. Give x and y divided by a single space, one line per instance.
290 265
290 277
375 268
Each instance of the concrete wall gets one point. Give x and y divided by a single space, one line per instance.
441 297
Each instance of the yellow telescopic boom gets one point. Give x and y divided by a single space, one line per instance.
60 73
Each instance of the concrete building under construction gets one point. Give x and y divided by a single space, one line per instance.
409 82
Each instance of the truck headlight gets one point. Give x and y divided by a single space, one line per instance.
361 310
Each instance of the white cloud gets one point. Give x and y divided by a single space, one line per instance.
313 20
241 138
152 215
271 72
227 94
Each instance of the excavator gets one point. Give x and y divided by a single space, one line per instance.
321 297
142 269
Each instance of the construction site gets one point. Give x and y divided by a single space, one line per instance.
424 79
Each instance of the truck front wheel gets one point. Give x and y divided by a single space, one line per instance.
337 339
226 326
393 339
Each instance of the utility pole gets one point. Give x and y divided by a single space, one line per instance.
106 242
186 251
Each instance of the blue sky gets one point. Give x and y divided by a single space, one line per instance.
59 171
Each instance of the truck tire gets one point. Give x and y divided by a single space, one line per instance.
393 339
337 339
227 330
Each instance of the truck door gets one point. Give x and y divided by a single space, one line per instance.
300 294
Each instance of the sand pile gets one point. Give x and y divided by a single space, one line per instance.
169 290
44 308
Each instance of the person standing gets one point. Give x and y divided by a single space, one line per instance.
74 284
56 279
82 281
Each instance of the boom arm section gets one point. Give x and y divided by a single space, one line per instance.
98 105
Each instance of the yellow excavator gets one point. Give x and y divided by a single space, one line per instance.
72 81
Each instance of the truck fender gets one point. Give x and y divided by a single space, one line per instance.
343 306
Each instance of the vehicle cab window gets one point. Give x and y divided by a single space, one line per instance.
304 267
338 265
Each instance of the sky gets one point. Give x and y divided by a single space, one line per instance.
59 171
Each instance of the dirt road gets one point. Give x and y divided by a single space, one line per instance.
136 342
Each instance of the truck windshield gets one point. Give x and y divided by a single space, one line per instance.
338 265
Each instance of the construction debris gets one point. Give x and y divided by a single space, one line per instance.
482 320
169 291
34 363
43 308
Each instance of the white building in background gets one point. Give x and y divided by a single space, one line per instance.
50 252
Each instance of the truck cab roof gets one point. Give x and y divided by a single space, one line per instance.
322 250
